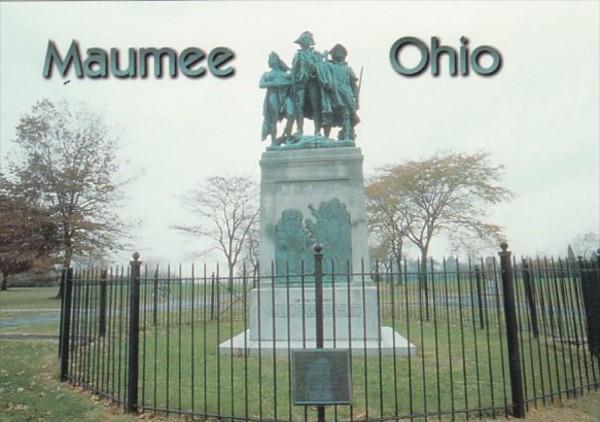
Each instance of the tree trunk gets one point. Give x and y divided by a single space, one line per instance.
67 259
398 258
255 276
66 265
60 289
423 282
3 281
423 270
231 269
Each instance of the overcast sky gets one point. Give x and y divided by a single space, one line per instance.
539 116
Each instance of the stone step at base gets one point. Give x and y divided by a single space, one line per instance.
391 343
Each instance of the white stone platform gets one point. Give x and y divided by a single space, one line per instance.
391 343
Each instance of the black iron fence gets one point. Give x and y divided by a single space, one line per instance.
455 340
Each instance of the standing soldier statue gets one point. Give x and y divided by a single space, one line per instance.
309 76
326 91
344 95
278 102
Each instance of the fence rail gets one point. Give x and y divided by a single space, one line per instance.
489 338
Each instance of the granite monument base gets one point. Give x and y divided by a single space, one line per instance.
283 319
310 196
391 344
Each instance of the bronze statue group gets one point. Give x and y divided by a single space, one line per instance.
319 86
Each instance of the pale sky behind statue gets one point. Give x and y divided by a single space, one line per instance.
539 116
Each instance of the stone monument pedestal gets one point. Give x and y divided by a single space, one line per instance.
309 196
292 312
314 195
283 319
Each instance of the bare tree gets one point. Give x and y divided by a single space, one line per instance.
449 194
383 257
227 211
66 160
250 252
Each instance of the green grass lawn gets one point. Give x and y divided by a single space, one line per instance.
462 367
452 372
29 298
30 392
29 386
30 389
582 409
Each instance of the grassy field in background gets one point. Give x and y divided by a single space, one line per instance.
29 298
31 310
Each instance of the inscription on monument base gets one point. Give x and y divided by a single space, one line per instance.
297 309
289 312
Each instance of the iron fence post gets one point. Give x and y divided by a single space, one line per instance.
103 292
319 311
155 308
479 296
512 334
134 334
319 294
66 324
212 296
62 310
529 291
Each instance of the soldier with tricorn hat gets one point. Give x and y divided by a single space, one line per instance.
309 77
345 95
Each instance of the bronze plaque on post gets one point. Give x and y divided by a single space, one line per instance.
321 377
